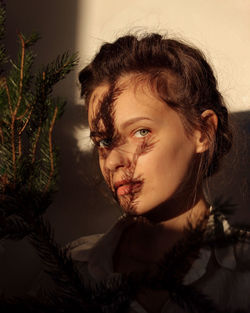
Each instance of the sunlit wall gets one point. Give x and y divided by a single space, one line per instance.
221 28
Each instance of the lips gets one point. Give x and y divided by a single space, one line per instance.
126 187
124 190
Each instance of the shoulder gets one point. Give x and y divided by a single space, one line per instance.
227 277
233 251
94 253
80 248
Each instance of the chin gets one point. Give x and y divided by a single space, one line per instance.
132 210
135 208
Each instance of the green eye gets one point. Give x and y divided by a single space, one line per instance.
141 133
105 143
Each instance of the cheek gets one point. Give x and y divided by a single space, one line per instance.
169 163
105 172
178 162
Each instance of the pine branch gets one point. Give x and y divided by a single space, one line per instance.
28 125
2 19
115 294
49 303
192 301
51 149
3 57
34 148
50 75
4 83
1 135
21 76
27 111
26 122
60 267
13 227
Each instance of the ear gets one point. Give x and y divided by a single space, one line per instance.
204 137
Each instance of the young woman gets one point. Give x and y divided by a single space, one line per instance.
161 127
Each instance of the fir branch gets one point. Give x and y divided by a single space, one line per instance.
13 146
20 117
20 133
8 94
48 303
115 294
4 182
21 75
13 227
2 19
1 135
51 148
28 305
14 66
35 144
60 267
3 57
51 74
26 122
14 113
19 145
32 39
192 301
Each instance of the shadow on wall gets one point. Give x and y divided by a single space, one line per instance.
231 184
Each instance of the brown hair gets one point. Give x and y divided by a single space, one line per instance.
180 76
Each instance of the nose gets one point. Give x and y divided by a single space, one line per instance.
117 158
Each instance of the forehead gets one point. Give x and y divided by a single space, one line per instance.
134 97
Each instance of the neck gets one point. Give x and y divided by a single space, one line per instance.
193 215
168 231
177 214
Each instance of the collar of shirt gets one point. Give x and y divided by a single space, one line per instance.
97 250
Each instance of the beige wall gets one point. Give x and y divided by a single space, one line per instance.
221 28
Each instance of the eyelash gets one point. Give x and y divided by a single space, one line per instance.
107 142
101 143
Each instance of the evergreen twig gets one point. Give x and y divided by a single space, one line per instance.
60 267
51 148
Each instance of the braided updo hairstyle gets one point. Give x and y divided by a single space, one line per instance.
179 75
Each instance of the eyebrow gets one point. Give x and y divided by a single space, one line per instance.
134 120
129 122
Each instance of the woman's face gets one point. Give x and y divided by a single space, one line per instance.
145 156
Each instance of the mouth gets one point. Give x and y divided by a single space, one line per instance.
126 187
